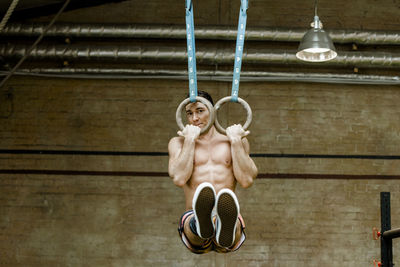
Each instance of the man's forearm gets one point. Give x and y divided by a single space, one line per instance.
244 169
182 167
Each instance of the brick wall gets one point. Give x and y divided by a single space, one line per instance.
122 210
132 221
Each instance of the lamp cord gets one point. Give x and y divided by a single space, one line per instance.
315 7
29 51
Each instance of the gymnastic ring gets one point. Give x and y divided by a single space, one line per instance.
227 99
205 102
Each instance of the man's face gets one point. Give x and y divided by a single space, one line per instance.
197 114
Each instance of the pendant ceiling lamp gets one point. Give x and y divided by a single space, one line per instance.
316 45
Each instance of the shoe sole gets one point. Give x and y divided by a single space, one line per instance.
203 205
227 212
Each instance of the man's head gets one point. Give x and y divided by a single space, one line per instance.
197 113
206 96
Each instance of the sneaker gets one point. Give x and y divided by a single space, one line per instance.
227 216
203 205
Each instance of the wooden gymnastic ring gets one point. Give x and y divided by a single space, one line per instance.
209 106
228 99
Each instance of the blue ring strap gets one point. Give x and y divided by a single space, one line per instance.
239 50
191 51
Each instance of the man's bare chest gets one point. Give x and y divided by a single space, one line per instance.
213 153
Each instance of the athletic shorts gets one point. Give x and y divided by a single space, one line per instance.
211 244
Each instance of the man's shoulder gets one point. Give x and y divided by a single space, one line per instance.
176 139
221 137
175 144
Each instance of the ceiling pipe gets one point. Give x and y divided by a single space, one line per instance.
201 32
210 56
204 75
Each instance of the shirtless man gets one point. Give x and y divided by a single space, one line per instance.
207 166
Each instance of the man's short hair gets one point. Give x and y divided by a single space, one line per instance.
205 95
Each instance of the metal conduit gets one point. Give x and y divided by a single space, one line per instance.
226 76
211 56
201 32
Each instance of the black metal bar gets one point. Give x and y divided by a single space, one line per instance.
386 244
139 153
165 174
79 152
390 234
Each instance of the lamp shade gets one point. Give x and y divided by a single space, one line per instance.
316 45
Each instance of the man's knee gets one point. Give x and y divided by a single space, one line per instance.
191 232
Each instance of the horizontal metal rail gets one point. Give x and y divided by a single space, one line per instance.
178 55
201 32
